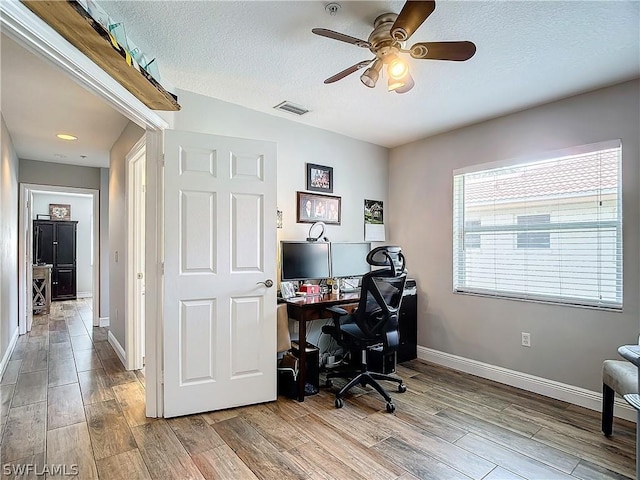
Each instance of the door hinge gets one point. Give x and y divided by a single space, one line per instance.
162 268
161 377
163 159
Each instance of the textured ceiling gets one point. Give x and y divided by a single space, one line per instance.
257 54
38 102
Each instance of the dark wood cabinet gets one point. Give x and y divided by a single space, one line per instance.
54 242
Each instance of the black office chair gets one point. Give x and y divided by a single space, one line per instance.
374 324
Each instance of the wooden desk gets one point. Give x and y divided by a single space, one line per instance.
313 307
42 288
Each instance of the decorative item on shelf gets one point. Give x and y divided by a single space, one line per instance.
58 211
312 208
319 178
90 29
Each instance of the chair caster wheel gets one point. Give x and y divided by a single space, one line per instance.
402 388
339 403
328 383
391 407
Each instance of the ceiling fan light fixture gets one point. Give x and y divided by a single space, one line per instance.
408 84
397 68
394 84
371 74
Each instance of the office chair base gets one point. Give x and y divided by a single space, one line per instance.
370 378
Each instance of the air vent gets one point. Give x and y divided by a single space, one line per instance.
291 108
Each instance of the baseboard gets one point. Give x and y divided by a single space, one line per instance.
113 341
9 352
84 294
104 321
549 388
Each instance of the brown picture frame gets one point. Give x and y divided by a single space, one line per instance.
59 211
322 208
319 178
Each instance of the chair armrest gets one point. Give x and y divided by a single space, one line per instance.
337 311
630 353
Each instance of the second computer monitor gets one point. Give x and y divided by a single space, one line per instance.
349 259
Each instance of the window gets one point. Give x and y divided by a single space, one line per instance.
549 229
532 236
472 240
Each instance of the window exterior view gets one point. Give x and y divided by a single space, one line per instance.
547 230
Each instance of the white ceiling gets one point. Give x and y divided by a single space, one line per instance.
257 54
38 102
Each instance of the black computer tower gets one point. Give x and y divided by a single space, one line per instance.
312 384
408 323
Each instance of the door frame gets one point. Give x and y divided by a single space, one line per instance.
31 32
25 242
134 341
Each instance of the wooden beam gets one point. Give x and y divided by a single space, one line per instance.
70 20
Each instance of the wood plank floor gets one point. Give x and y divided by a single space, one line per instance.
67 400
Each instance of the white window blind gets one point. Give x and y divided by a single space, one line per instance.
546 230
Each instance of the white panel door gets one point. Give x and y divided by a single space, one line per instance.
220 245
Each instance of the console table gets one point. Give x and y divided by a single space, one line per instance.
42 288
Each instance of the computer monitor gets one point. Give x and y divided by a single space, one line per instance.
349 259
304 261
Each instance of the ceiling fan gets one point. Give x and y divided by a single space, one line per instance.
386 42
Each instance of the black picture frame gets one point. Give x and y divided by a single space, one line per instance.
321 208
319 178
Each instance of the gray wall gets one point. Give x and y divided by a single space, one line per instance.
8 240
568 343
48 173
117 228
104 242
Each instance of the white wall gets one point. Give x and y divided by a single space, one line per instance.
82 212
360 169
117 227
568 343
8 241
104 242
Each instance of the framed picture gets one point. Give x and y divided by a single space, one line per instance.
318 208
319 178
59 211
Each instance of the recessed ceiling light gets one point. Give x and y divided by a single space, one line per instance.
66 136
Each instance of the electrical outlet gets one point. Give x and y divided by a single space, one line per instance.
526 339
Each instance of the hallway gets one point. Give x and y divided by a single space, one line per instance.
67 399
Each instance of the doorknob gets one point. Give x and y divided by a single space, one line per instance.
267 283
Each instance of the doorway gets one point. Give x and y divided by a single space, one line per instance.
135 282
34 202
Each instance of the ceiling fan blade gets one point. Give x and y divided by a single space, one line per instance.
410 18
348 71
323 32
456 51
